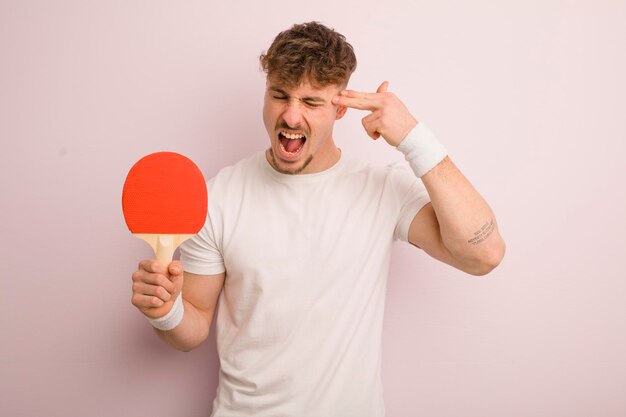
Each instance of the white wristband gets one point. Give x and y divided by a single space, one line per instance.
171 319
422 149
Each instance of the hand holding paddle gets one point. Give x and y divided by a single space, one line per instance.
155 287
164 202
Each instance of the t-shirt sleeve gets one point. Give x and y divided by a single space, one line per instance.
202 254
412 196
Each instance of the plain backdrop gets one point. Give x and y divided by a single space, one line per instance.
528 97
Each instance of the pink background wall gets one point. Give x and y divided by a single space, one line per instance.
528 97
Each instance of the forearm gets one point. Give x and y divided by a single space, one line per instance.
190 333
468 225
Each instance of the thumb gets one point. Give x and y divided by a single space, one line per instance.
175 268
177 280
176 275
383 87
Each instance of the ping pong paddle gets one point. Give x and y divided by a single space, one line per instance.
164 201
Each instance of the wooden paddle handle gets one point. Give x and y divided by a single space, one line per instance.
164 246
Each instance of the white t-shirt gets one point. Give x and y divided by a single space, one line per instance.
306 257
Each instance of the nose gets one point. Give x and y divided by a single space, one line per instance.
293 113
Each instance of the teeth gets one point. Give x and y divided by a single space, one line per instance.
292 136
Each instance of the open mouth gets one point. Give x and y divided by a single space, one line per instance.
291 144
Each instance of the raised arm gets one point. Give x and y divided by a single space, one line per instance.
457 227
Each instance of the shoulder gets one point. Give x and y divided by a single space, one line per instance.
379 173
244 169
230 182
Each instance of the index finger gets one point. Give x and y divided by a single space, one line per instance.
357 100
359 94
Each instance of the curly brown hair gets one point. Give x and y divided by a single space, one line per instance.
309 52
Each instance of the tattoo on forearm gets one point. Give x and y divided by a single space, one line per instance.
483 233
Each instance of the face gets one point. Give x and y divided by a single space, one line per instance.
299 122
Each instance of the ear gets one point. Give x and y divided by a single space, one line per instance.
341 111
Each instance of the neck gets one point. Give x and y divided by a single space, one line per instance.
323 160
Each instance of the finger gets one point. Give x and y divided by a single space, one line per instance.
360 103
146 301
152 265
372 96
151 291
177 281
175 268
358 94
370 123
154 279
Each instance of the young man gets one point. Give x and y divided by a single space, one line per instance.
298 240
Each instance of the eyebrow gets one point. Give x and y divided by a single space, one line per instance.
310 99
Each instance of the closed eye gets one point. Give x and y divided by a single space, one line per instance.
311 103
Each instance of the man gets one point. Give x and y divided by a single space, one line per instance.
298 240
